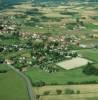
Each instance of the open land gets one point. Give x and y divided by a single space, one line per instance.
11 85
87 92
72 26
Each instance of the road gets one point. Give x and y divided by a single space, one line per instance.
32 95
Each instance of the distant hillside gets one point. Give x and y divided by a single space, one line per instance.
50 1
58 1
63 0
9 3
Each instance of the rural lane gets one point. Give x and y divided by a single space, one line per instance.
32 95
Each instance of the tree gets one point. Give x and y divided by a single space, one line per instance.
58 92
38 83
1 49
46 92
75 54
3 71
38 96
69 91
89 69
77 20
1 60
77 92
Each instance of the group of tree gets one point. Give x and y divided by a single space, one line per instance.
89 69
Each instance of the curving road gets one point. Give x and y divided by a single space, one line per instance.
31 94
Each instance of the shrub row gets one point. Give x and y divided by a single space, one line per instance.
3 71
41 83
84 82
38 83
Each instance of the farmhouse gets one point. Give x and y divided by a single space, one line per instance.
95 35
7 61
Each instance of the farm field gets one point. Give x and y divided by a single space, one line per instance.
12 87
65 76
61 77
53 20
90 54
62 97
73 63
87 92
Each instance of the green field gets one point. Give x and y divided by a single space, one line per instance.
91 54
12 87
66 76
62 77
92 26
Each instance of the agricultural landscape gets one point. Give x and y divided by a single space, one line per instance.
49 50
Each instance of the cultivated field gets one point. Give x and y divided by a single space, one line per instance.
53 19
73 63
91 54
87 92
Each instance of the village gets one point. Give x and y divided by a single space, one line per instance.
48 50
41 50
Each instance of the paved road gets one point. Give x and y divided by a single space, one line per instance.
32 95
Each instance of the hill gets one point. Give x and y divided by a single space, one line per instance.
9 3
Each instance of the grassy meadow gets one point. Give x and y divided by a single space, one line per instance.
52 20
65 76
12 87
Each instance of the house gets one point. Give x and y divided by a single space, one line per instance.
7 61
95 35
83 46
